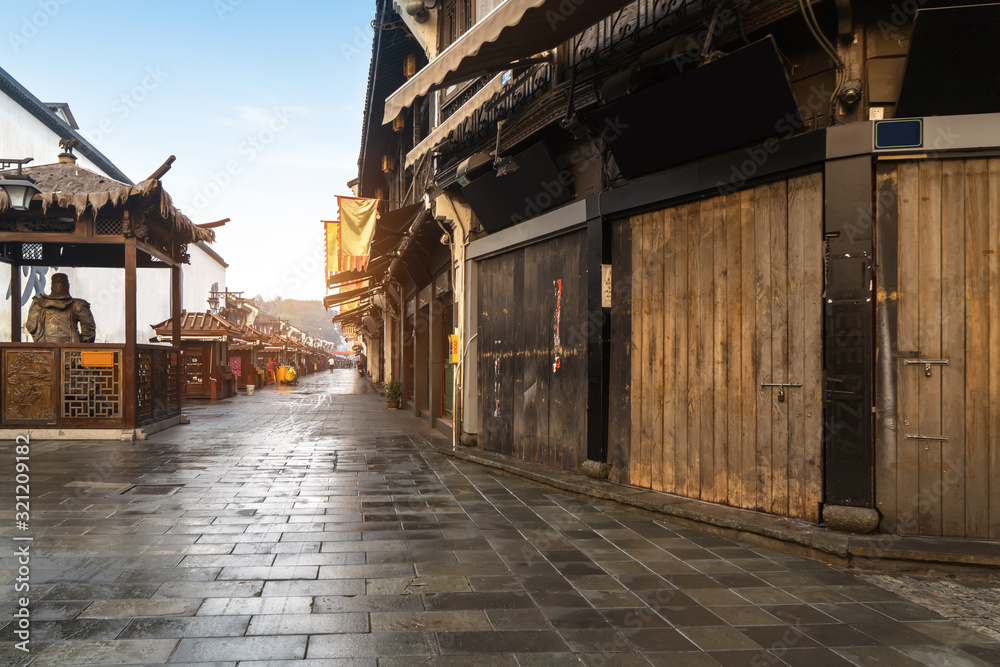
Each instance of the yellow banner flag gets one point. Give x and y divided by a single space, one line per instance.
357 224
332 247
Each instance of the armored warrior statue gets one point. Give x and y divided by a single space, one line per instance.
59 318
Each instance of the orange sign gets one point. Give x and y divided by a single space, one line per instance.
456 349
97 359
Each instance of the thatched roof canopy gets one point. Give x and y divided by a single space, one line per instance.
71 186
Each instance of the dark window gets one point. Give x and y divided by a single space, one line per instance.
457 16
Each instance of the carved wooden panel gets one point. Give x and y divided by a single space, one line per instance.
29 390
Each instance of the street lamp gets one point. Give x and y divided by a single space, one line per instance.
20 188
213 299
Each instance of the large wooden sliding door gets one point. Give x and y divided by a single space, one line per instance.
726 299
938 457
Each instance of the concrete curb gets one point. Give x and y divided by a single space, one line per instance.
879 551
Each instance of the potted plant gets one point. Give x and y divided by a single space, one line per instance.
393 392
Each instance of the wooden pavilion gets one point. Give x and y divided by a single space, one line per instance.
243 357
206 365
83 219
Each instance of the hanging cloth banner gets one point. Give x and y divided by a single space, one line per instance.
357 224
336 259
332 247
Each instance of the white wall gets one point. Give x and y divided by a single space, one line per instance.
22 135
105 290
198 277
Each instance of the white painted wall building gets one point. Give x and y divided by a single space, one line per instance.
30 128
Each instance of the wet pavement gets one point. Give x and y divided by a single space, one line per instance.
311 525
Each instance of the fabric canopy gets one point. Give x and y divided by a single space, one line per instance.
515 30
357 224
337 299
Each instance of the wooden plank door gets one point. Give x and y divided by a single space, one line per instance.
726 305
937 456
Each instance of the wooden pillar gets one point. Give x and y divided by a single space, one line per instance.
175 306
130 394
15 303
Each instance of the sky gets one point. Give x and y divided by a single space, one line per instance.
261 102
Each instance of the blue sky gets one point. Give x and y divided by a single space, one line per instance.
261 102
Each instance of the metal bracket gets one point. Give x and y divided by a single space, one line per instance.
927 437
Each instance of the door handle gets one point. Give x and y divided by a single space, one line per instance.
926 363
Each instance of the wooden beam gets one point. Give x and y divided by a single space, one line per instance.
15 303
213 225
163 169
152 251
58 237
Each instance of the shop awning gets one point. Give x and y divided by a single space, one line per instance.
514 31
392 227
337 299
352 316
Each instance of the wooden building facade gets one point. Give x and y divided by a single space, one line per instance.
780 298
205 366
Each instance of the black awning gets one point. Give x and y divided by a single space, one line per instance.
951 66
392 227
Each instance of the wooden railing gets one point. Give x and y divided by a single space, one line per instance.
86 385
157 383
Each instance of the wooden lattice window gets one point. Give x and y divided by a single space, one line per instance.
31 251
92 389
108 221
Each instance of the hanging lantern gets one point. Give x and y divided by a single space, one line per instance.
399 122
388 163
410 65
379 193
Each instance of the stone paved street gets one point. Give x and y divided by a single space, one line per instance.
312 525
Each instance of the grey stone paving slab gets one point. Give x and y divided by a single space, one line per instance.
312 526
289 647
308 624
113 608
118 652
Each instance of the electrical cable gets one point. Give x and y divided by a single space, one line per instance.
813 25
